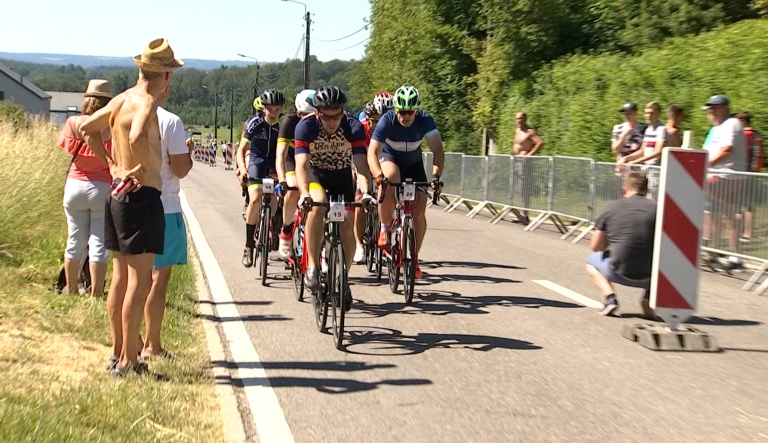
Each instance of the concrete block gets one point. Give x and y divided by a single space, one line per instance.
657 337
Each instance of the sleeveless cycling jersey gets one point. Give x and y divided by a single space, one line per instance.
401 143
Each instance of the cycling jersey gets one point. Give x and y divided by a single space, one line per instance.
262 136
367 126
401 143
286 135
330 151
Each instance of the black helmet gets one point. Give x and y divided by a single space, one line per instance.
272 97
329 97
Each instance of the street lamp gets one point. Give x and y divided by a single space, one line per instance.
215 112
306 42
256 83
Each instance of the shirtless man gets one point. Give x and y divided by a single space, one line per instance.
527 143
134 223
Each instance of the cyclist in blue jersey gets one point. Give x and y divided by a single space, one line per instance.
326 145
394 154
260 138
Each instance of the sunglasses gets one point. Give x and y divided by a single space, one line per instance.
406 112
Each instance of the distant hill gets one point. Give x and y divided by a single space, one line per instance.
93 61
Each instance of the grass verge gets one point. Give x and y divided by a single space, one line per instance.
53 347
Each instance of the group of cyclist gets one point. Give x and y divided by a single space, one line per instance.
321 152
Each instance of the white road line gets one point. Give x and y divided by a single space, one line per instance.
575 296
268 415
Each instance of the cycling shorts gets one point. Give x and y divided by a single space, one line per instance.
415 171
258 170
337 183
290 162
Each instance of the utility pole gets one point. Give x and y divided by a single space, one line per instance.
216 113
306 53
231 114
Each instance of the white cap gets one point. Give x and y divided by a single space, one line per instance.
303 101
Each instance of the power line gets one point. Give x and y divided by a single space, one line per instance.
353 46
280 72
338 39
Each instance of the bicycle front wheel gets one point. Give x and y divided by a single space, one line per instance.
393 265
409 263
337 283
298 279
264 246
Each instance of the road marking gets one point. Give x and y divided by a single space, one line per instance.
575 296
267 413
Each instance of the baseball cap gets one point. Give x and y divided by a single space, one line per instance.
716 100
629 106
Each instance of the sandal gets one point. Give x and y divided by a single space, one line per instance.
112 362
166 355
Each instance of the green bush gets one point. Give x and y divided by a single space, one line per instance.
13 113
574 102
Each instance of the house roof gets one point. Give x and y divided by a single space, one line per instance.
61 101
26 83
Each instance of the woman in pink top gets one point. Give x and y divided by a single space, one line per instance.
85 194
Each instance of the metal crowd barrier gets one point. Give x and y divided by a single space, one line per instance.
572 192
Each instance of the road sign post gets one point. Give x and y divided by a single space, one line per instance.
675 272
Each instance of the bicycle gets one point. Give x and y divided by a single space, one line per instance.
333 281
373 256
295 260
403 252
267 233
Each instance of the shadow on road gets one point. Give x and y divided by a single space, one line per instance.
707 321
325 385
446 302
244 318
341 366
465 264
235 302
433 279
386 341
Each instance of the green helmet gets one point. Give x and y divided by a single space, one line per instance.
257 104
407 98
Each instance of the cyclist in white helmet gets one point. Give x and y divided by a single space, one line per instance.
286 166
394 154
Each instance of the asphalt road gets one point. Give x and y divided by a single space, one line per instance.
486 355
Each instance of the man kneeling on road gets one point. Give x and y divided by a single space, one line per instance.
628 225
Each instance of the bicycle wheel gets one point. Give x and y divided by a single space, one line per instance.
409 263
337 285
392 265
298 279
277 227
264 236
320 304
379 265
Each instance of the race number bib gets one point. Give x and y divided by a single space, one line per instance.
336 213
269 185
409 192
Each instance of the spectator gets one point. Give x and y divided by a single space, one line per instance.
676 115
628 226
727 154
654 138
85 193
628 136
755 163
224 150
176 164
527 143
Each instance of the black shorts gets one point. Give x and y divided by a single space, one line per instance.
290 162
259 169
415 171
337 183
135 224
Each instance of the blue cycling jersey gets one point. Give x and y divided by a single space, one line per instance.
262 136
401 143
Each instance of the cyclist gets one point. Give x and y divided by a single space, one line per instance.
286 166
326 145
385 98
258 109
260 138
373 111
394 154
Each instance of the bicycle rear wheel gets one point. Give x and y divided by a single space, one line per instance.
337 287
264 236
379 263
409 263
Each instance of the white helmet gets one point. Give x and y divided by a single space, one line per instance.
304 101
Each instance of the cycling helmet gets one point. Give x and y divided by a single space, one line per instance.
304 101
384 98
257 104
374 107
329 97
407 98
272 97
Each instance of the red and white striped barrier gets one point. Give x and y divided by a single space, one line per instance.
228 156
679 224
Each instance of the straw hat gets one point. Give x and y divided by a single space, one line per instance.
98 88
157 56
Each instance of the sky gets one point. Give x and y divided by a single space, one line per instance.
268 30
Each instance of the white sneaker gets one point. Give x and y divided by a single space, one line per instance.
359 254
285 248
